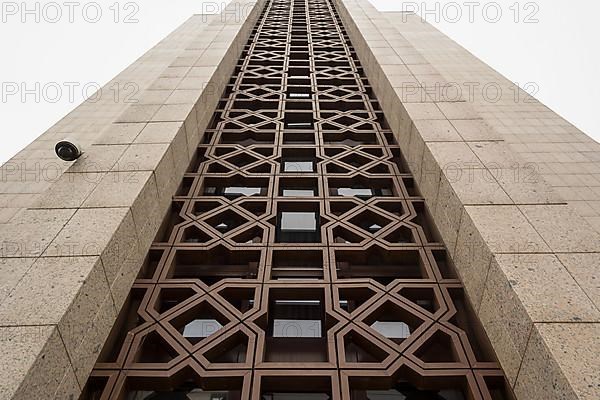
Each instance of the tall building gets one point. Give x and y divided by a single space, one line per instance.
292 210
298 261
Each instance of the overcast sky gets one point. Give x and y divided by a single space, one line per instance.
544 43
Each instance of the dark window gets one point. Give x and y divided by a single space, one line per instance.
296 319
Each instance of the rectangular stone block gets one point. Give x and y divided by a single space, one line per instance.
34 362
561 228
31 232
561 363
63 291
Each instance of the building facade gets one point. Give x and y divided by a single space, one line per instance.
290 211
298 260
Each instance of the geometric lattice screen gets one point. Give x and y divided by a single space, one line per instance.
298 261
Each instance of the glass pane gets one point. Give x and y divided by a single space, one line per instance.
298 192
296 95
298 166
244 191
349 192
296 328
298 221
392 330
201 328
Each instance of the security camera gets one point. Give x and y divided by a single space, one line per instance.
68 150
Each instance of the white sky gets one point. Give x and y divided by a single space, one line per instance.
559 53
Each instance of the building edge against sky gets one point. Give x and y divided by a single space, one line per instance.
525 245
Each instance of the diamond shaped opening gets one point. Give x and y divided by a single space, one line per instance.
240 297
230 351
193 234
379 169
263 168
169 298
198 323
333 168
393 207
358 349
439 348
344 236
255 207
241 160
204 207
226 221
218 168
393 322
370 222
341 207
422 297
250 236
355 160
401 235
155 349
353 298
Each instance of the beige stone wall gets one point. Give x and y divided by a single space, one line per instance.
512 188
567 159
73 235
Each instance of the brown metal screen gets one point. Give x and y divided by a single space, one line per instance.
298 261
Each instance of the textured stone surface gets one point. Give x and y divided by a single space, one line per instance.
64 291
562 228
12 270
85 351
34 362
522 289
70 191
31 232
506 230
585 269
505 320
566 357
